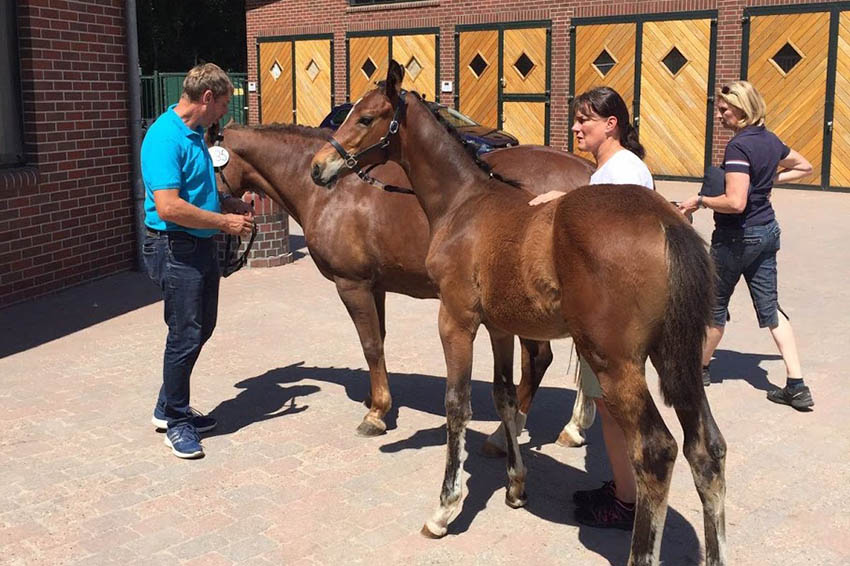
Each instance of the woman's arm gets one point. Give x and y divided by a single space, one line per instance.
732 202
793 167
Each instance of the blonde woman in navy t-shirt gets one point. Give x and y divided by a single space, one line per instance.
746 233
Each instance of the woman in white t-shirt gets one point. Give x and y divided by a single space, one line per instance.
602 128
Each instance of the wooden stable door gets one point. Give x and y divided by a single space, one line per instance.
673 95
418 55
839 174
368 60
513 96
367 64
478 71
275 76
524 72
787 63
605 56
313 72
295 81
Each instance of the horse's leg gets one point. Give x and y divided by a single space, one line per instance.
362 305
584 412
705 450
652 450
504 395
457 346
536 358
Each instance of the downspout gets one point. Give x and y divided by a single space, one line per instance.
137 190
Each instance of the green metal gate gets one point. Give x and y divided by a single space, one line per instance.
161 90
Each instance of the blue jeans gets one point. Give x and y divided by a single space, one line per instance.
186 269
750 252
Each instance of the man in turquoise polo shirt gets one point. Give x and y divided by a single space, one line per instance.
183 211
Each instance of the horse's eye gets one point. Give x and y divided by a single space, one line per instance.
365 120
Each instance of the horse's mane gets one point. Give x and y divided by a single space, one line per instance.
294 129
468 148
472 152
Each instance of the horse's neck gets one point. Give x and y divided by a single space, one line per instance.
441 173
283 159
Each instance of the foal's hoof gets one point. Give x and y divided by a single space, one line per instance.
516 502
371 427
427 531
490 450
568 439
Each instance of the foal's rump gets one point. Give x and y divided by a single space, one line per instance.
635 281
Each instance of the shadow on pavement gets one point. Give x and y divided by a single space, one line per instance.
298 246
263 399
736 365
550 485
38 321
550 482
418 392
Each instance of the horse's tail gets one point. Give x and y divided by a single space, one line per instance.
690 274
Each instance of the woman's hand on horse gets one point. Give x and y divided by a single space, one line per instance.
545 197
238 224
689 206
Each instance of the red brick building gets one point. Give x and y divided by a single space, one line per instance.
66 193
66 207
516 64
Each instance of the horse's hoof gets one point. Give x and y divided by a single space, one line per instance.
516 502
568 440
428 533
371 427
490 450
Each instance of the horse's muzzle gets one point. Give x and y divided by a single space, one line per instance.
324 174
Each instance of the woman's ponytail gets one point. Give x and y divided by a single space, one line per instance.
629 140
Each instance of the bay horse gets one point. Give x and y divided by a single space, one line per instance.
352 236
614 266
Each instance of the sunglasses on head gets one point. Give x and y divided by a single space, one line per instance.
725 90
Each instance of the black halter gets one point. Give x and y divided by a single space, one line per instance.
352 161
232 265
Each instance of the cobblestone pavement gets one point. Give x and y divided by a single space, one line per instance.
84 479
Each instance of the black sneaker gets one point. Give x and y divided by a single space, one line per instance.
201 422
799 397
607 513
706 377
589 496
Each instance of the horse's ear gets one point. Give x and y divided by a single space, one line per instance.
212 133
395 75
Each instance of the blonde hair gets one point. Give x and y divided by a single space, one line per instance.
744 96
204 77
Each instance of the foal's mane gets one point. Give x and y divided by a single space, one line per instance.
294 129
468 148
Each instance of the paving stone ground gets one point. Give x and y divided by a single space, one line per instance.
84 479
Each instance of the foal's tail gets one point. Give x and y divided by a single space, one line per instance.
688 312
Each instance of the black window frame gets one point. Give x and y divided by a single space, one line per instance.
10 83
356 3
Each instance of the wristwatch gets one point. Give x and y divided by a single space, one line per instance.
700 204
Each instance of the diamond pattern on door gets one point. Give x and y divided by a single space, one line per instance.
478 65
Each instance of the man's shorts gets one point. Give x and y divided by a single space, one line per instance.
750 252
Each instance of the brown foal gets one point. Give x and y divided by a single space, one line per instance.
353 232
614 266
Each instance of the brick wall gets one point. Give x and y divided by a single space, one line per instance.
67 216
